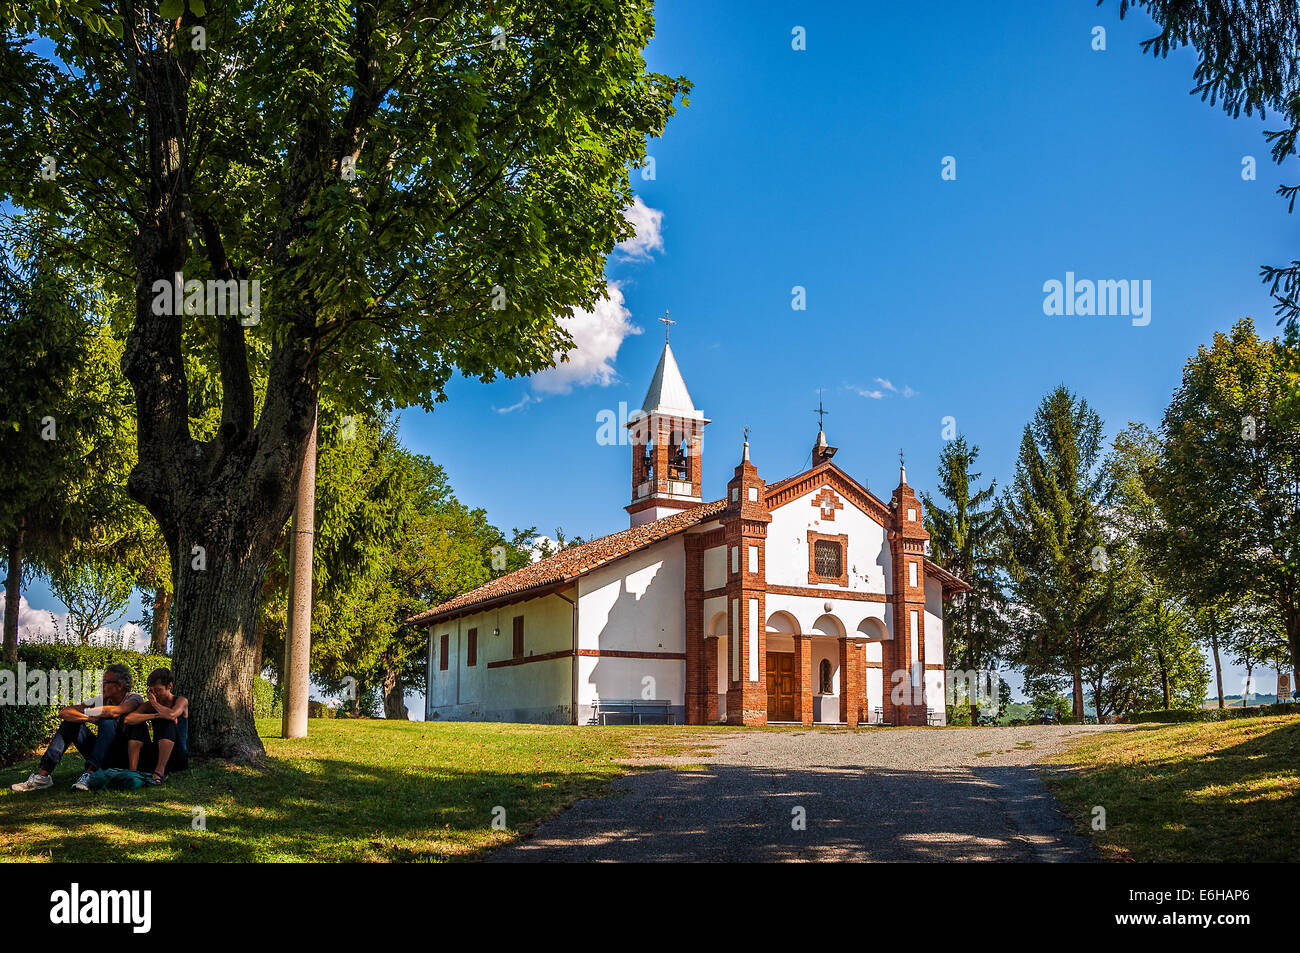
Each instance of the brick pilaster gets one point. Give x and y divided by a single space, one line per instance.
696 657
710 681
744 525
852 681
803 667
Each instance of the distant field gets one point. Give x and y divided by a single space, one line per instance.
1211 791
352 790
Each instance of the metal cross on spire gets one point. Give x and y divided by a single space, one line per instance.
667 322
820 411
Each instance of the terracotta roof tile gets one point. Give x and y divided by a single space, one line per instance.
573 562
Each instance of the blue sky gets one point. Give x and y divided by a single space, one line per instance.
821 168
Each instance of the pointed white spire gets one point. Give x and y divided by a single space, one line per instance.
668 394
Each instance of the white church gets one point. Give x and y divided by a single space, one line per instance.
804 601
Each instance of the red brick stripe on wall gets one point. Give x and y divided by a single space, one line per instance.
548 656
826 593
619 653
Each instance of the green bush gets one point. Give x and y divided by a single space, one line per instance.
25 728
1179 716
266 699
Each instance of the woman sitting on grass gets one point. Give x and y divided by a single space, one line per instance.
170 716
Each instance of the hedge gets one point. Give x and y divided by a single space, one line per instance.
1176 716
26 728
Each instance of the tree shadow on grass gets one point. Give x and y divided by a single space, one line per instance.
304 808
1236 803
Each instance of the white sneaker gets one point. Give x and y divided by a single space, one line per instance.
34 782
82 783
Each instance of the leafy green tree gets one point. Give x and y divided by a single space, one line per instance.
1248 62
63 415
416 190
967 537
1257 638
1063 582
96 594
1228 483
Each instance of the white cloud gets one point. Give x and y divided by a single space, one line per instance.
597 336
648 224
527 399
886 388
863 392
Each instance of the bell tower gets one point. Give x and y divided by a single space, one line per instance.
666 436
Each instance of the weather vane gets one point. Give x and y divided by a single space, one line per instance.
667 321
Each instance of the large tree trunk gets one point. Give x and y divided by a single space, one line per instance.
231 495
162 610
394 696
1078 696
215 651
13 587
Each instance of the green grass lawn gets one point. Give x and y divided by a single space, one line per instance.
1210 791
351 791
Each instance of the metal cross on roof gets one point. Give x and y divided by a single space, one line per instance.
820 411
667 321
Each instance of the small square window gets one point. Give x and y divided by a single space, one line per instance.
753 494
911 515
827 558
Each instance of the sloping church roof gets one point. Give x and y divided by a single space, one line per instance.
568 564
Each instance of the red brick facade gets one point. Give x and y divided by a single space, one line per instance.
744 520
904 704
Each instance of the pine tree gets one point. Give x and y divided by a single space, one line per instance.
1063 582
967 538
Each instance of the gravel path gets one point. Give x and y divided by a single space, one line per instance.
870 795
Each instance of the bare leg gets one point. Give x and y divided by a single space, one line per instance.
164 755
133 753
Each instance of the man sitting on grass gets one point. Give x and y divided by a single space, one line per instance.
170 716
104 748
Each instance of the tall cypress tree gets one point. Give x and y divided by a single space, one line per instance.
1063 584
